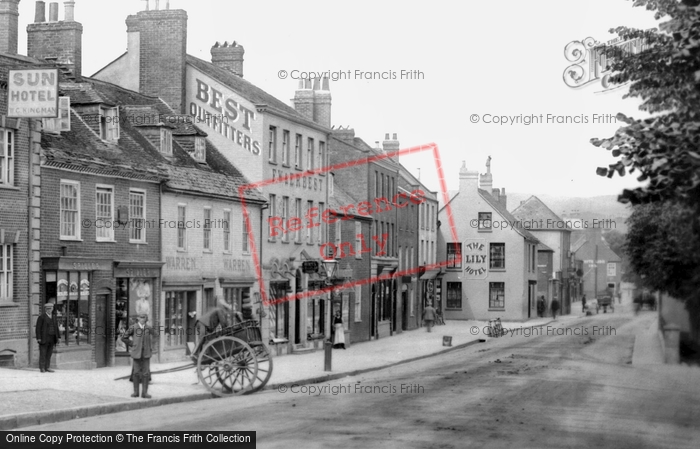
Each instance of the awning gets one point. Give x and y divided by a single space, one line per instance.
430 274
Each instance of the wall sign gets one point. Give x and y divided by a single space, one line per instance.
475 259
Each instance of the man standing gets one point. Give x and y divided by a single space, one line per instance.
47 337
141 350
429 316
583 303
555 308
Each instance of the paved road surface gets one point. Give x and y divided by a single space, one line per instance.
544 390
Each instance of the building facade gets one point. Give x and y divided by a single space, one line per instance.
491 270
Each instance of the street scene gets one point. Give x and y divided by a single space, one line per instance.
261 224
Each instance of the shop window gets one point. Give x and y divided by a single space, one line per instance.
7 157
6 278
234 297
315 314
497 295
278 313
122 317
454 295
70 292
175 313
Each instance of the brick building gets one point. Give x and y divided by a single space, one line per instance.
20 190
374 182
265 138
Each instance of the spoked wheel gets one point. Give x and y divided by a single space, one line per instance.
264 357
227 365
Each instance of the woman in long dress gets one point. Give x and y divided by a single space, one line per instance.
339 340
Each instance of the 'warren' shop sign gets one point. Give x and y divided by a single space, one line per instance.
33 93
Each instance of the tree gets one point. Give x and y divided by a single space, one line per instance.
665 148
663 246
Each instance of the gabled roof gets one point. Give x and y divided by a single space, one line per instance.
541 217
542 247
586 249
506 215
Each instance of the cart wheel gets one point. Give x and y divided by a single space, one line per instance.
227 365
264 357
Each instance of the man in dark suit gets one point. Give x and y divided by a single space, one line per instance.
47 337
141 351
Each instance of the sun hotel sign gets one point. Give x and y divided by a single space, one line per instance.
590 63
33 93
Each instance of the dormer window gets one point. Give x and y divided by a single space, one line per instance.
200 149
109 124
62 122
166 141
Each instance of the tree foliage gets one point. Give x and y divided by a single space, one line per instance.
665 148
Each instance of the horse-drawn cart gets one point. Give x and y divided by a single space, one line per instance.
233 360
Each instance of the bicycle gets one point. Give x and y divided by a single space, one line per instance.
439 319
496 328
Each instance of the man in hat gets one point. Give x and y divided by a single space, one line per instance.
141 351
47 337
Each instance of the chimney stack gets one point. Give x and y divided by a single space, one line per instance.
229 57
322 102
158 39
58 42
53 12
504 198
304 99
9 26
468 179
390 145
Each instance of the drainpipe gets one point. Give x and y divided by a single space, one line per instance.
30 253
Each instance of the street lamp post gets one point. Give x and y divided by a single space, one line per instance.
329 266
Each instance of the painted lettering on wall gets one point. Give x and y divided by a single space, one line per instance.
181 263
33 93
475 258
306 182
226 116
239 265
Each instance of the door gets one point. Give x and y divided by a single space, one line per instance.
101 338
404 310
373 314
191 318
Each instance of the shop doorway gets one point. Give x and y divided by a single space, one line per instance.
404 310
102 329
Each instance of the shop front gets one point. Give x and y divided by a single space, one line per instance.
137 286
82 299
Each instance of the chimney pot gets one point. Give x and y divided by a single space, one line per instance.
53 12
386 136
40 12
395 137
69 11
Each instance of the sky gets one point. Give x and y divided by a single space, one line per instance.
471 61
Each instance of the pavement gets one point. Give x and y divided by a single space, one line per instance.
32 398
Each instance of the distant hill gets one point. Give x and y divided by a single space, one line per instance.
586 208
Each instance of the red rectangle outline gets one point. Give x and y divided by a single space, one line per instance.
412 150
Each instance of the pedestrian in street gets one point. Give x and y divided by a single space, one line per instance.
47 337
141 351
429 314
555 308
540 306
339 329
583 304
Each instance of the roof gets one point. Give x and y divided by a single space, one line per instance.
593 246
536 212
246 89
542 247
507 215
135 156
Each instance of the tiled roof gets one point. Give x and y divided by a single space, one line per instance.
134 155
534 210
246 89
507 215
542 247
